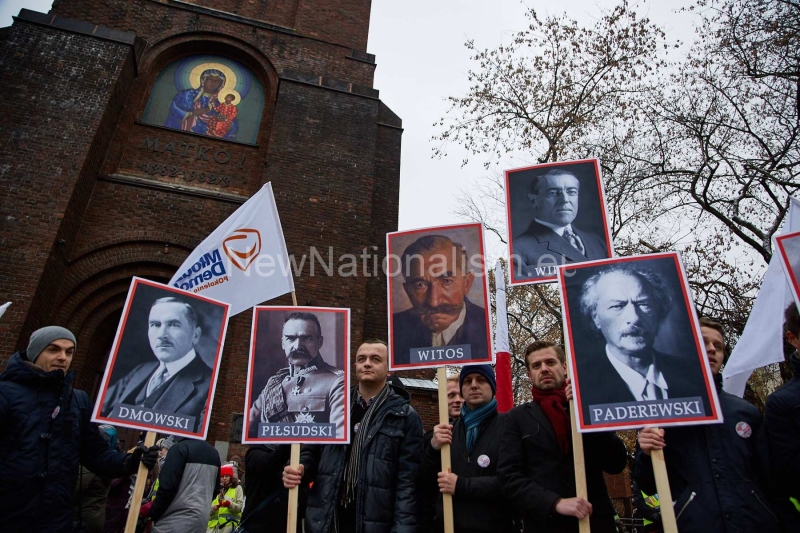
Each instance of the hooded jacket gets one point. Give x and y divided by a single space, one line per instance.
386 499
45 432
716 471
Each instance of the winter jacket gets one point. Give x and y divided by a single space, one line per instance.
264 464
782 422
714 472
187 484
535 473
386 497
45 432
478 502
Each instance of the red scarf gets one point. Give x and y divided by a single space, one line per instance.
554 404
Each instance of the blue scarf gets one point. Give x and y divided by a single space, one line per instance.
473 419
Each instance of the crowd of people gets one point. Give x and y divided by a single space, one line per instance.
510 472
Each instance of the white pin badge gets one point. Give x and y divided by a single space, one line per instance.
744 430
483 461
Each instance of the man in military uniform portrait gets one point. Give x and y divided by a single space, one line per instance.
308 390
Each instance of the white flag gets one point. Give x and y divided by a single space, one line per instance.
4 307
761 342
501 328
244 262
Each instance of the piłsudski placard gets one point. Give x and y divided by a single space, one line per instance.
298 385
438 298
556 216
164 364
634 345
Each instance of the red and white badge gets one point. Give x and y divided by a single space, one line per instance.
483 461
744 430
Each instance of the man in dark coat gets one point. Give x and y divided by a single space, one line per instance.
437 281
536 466
551 238
266 496
178 382
782 421
474 439
717 472
45 432
627 305
369 486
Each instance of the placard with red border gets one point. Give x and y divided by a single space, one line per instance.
132 364
268 366
410 339
677 343
788 246
529 239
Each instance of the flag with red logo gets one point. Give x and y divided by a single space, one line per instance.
244 262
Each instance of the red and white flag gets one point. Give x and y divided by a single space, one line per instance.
502 369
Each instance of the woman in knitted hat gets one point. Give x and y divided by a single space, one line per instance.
226 509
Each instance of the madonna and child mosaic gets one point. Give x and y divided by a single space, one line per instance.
208 95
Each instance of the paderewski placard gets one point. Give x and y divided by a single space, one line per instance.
438 297
164 364
634 345
556 216
298 384
788 246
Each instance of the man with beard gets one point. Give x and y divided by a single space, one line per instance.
536 465
628 304
309 390
437 282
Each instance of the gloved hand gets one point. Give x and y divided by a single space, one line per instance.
147 457
150 457
225 503
656 517
144 510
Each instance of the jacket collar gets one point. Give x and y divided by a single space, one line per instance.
536 412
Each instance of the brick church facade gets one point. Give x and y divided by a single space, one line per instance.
104 176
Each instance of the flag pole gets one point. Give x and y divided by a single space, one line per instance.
294 462
447 499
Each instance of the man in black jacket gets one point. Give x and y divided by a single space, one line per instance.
474 439
266 496
715 470
782 420
45 431
371 484
536 466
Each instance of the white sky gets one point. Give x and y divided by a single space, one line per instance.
422 60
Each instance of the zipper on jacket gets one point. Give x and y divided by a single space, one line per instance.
685 505
753 492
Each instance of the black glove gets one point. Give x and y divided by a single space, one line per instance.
147 457
656 517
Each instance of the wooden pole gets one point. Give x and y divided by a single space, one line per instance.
580 466
294 462
447 499
664 493
138 488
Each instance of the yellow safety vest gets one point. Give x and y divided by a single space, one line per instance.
795 503
652 502
223 513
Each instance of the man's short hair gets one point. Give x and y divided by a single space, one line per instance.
791 320
652 283
453 378
550 174
428 243
541 345
375 340
706 322
191 315
307 317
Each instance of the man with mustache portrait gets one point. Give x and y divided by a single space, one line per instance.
178 382
437 280
308 390
628 305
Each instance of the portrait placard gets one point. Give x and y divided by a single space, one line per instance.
635 349
556 215
163 368
438 294
298 379
788 247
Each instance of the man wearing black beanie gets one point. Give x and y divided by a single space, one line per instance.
474 440
45 432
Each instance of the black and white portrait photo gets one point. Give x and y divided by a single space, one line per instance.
297 381
556 215
438 297
788 247
164 363
636 352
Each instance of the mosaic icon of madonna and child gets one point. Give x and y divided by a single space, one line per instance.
207 95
